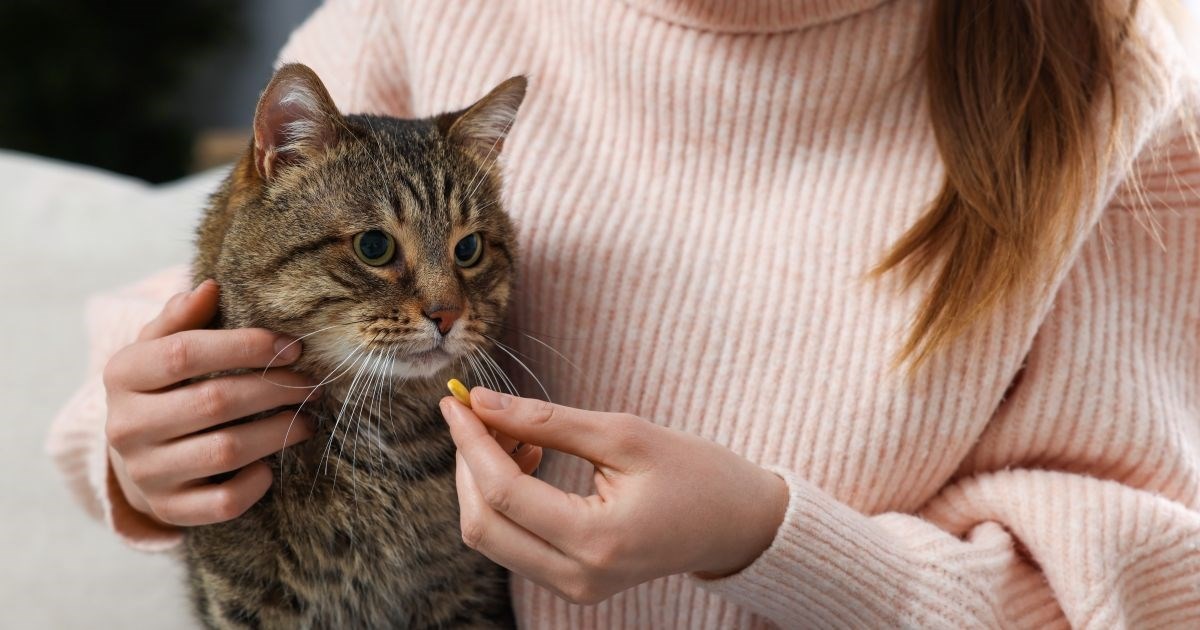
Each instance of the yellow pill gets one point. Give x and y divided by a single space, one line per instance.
460 391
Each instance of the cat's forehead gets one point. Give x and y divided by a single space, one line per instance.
399 174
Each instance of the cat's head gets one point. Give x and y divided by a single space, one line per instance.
382 242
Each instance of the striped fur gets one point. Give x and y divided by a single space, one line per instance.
360 528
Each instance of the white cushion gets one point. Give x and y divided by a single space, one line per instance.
70 231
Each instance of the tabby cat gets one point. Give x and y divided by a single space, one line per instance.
382 242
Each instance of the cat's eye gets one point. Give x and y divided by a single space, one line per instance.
375 247
468 250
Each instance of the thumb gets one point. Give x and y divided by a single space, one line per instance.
599 437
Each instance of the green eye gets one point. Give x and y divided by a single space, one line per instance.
375 247
468 250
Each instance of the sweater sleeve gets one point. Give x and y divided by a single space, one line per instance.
1093 523
76 441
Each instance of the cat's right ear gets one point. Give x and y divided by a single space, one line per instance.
295 121
483 126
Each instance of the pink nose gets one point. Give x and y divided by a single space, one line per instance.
443 316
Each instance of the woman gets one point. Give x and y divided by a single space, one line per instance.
902 298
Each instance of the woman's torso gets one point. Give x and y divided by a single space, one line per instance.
699 206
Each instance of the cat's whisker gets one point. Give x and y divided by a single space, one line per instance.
377 378
356 420
485 370
484 373
355 426
372 418
523 366
500 374
391 395
294 342
392 420
517 329
477 377
352 398
510 348
268 367
481 377
333 432
551 348
300 408
353 421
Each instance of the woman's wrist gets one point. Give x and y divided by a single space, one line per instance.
760 529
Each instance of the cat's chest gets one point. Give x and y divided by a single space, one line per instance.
361 510
364 442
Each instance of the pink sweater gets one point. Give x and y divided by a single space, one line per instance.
700 187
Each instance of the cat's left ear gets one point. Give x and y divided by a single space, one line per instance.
482 127
295 121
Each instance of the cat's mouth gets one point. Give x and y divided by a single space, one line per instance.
433 355
418 364
415 356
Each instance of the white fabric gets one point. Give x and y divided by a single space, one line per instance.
65 232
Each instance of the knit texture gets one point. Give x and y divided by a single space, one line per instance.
700 188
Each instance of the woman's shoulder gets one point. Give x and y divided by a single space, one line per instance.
1158 72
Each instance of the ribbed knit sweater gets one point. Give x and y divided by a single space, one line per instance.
701 187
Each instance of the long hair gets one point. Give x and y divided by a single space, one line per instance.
1015 88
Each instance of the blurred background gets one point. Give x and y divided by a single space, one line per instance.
101 102
154 90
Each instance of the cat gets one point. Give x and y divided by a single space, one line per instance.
383 243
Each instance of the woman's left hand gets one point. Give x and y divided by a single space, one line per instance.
665 501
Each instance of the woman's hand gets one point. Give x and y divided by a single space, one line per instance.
161 443
666 502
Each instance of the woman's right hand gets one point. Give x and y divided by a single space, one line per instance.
162 443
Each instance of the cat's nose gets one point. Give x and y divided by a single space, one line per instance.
443 316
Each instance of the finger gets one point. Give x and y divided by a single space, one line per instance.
548 512
160 363
184 311
528 457
602 438
208 403
206 504
203 455
506 442
503 541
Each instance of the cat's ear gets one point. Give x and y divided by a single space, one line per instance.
483 126
295 120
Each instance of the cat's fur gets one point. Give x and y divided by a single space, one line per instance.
360 528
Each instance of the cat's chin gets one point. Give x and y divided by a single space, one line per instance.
422 365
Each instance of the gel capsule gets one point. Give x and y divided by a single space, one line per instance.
460 391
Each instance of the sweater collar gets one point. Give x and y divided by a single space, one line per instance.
752 16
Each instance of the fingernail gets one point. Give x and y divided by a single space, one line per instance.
446 408
488 399
287 349
198 287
